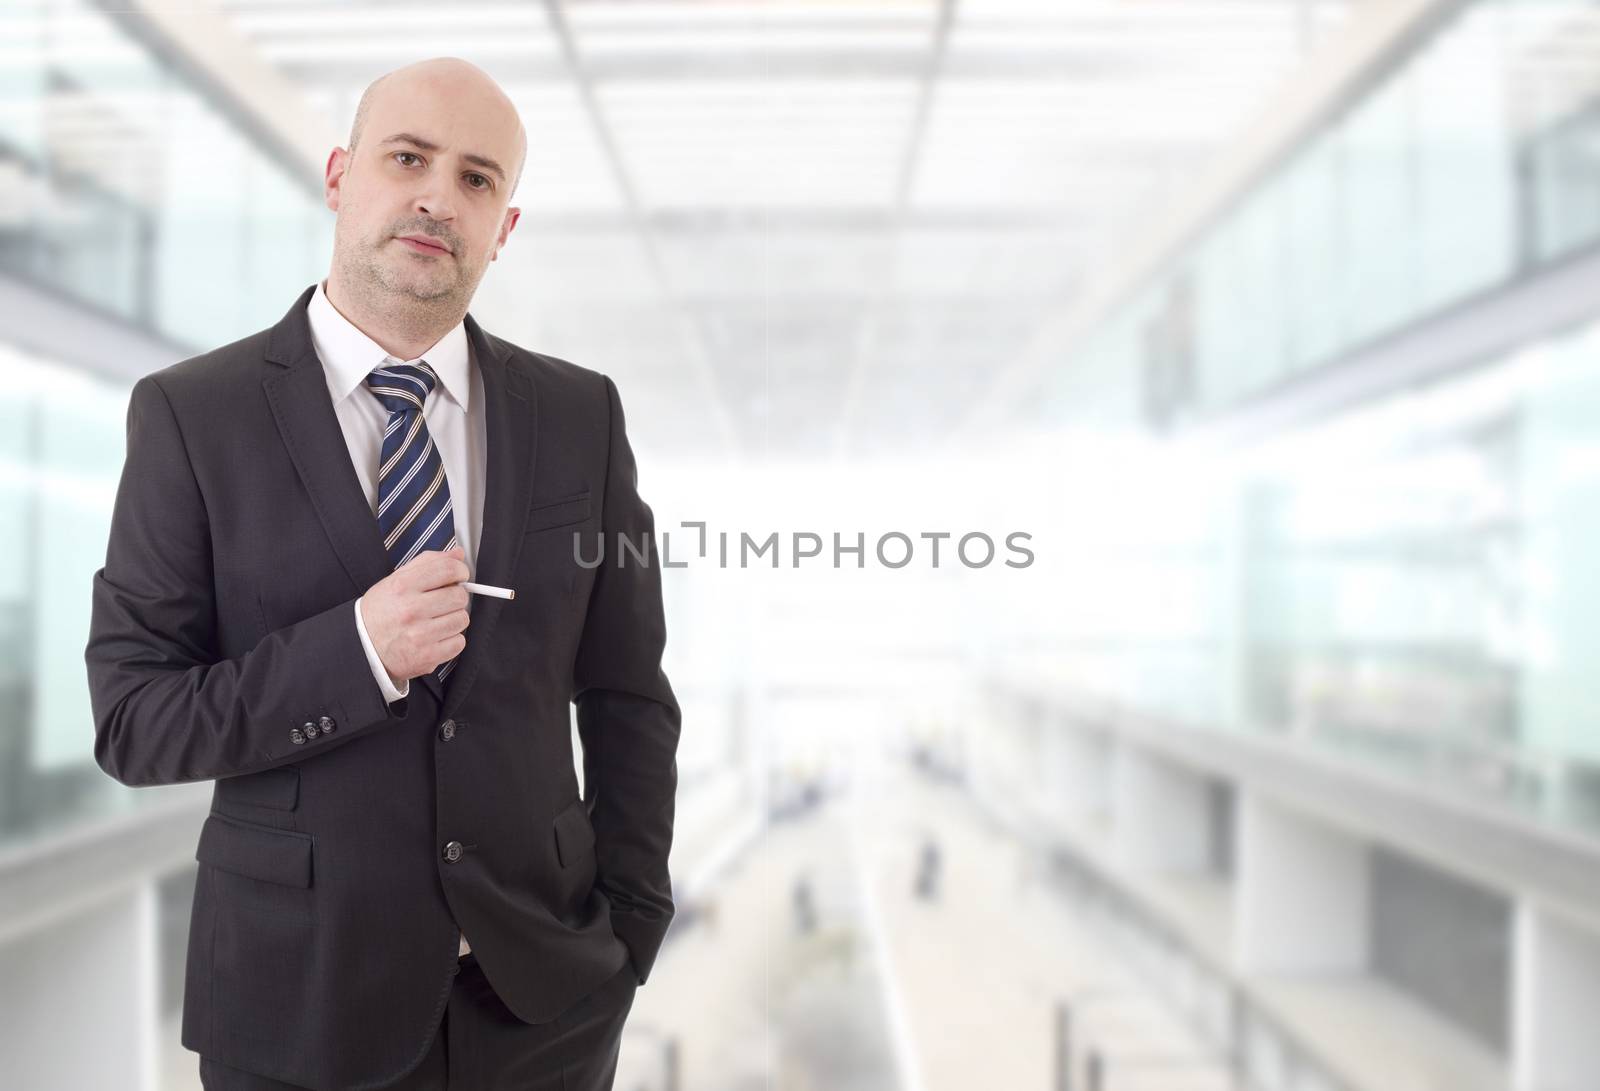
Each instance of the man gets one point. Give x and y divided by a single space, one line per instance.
400 885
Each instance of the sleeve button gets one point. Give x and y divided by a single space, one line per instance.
296 736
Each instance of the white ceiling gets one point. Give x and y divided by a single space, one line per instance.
816 229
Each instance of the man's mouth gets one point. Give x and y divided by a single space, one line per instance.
423 244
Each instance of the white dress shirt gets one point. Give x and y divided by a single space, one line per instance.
453 412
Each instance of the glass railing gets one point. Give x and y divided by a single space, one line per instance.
1410 585
1465 166
118 179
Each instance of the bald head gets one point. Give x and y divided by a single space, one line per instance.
423 196
459 82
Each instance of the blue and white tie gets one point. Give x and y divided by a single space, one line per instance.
414 510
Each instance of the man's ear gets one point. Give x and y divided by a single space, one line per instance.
332 175
512 215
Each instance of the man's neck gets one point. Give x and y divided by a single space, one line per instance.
405 331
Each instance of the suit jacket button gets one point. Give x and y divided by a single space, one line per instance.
452 851
447 730
310 729
296 736
327 725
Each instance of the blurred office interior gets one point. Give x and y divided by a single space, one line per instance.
1273 325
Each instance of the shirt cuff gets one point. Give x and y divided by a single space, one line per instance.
379 671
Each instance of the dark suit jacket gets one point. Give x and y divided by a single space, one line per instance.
223 646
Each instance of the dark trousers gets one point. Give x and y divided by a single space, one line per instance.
481 1046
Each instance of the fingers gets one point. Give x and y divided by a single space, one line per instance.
448 625
444 599
435 568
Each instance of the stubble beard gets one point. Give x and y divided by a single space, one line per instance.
409 302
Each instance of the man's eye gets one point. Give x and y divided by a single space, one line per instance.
485 181
411 154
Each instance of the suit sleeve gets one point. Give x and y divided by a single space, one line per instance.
628 717
167 709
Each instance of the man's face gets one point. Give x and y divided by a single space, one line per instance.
426 167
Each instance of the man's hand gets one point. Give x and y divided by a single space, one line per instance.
415 615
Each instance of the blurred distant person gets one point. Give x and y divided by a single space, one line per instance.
283 610
805 905
926 884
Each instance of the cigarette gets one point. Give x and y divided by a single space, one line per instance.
489 589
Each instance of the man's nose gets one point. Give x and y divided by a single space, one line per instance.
434 202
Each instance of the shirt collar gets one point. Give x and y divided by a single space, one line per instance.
348 355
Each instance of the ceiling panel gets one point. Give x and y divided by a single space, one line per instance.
831 221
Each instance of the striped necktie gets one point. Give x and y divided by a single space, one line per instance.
414 510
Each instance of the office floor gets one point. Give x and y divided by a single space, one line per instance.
818 967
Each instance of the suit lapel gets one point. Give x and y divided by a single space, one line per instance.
511 424
298 395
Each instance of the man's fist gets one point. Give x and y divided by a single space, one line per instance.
415 615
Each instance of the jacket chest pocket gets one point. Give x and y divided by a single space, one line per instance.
559 512
547 562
